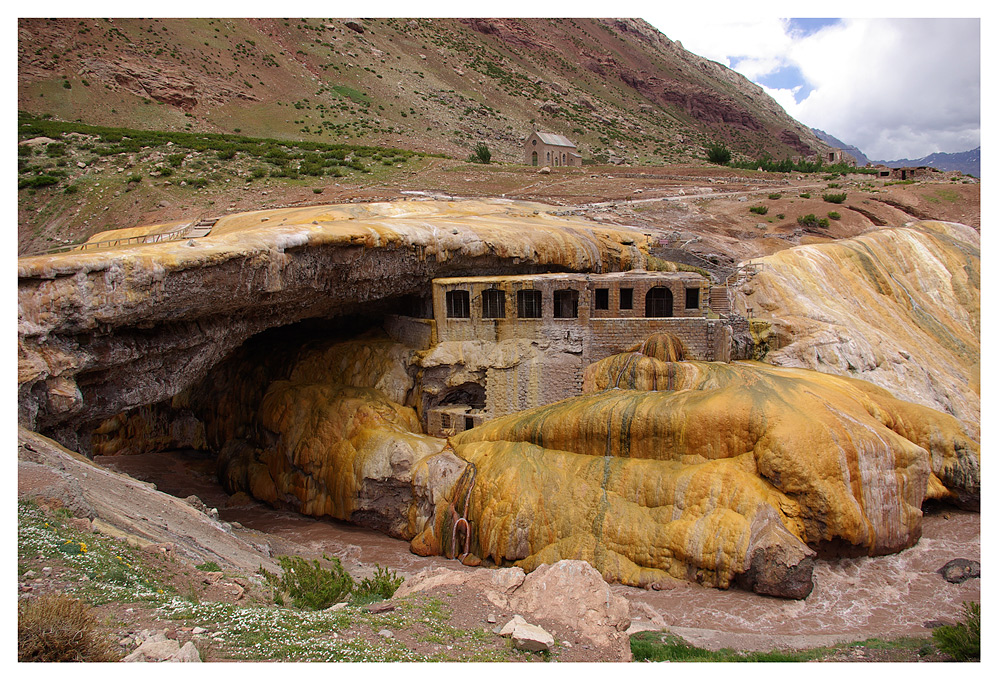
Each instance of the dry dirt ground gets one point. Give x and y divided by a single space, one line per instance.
703 209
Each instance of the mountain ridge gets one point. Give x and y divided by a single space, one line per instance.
967 162
619 88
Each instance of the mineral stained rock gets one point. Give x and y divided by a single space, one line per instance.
900 308
106 330
726 474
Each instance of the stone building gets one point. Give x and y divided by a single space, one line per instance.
836 156
547 148
497 345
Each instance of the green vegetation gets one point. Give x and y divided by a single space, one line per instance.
759 209
198 153
718 153
805 195
56 627
208 566
811 221
834 216
788 165
309 585
381 586
481 154
962 641
775 196
649 646
834 198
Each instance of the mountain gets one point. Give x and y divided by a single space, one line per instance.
967 162
615 87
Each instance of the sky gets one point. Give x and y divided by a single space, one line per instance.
894 88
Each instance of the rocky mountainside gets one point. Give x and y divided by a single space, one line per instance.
617 87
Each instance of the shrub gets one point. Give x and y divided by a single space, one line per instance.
834 198
805 195
718 153
133 179
481 154
759 209
55 149
310 586
775 196
38 182
962 641
59 628
381 587
210 565
176 159
834 216
812 221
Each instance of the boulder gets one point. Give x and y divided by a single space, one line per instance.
157 648
959 570
572 593
527 636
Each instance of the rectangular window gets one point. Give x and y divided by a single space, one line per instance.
627 298
469 422
528 304
458 306
692 298
602 298
493 304
566 304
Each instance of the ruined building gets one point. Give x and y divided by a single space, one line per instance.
496 345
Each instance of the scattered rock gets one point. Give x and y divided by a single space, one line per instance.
959 570
527 636
385 633
544 171
158 647
380 607
354 25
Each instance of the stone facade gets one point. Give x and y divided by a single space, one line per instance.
546 148
526 340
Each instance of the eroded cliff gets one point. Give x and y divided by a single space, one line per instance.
103 331
900 308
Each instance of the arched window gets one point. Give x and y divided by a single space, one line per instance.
658 302
533 158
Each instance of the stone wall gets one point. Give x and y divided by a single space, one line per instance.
414 333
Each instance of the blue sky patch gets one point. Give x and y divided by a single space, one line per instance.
806 27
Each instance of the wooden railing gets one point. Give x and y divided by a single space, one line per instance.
175 235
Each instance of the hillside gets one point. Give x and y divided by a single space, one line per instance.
617 87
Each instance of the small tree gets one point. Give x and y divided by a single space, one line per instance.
482 154
718 153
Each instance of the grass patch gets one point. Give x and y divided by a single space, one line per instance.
651 646
962 641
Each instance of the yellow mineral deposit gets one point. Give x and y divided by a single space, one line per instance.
900 308
674 482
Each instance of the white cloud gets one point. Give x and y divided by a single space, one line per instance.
895 88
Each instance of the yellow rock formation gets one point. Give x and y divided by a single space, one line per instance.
694 480
900 308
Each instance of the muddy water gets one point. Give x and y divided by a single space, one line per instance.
853 598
